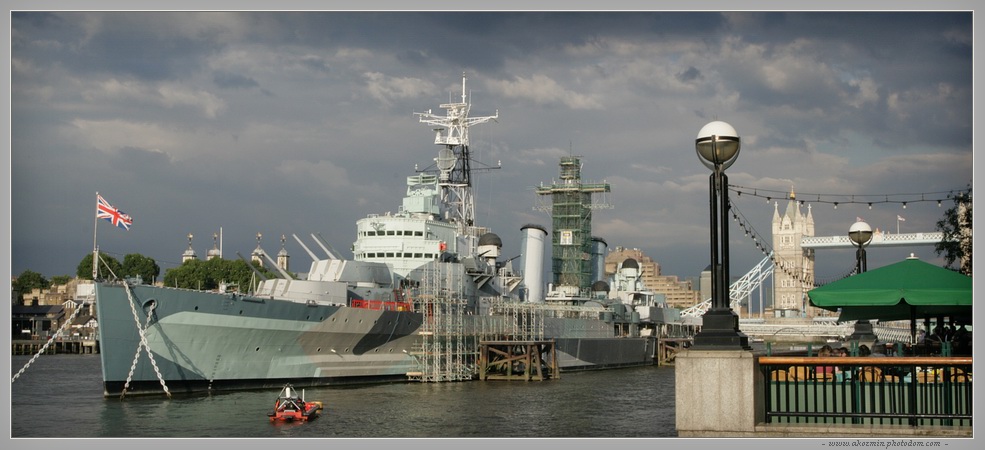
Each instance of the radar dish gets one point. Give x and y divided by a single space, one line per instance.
446 159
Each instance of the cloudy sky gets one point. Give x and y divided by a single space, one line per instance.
303 122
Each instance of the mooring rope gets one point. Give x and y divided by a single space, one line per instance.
65 325
143 344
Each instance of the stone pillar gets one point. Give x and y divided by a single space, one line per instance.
718 393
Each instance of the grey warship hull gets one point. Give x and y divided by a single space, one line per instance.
209 342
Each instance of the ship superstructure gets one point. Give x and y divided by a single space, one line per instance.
571 212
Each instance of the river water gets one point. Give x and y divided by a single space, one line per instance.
60 396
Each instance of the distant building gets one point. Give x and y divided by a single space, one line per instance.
84 326
283 259
45 310
258 252
214 252
35 322
679 294
190 252
793 275
57 294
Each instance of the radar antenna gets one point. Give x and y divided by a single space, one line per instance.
454 161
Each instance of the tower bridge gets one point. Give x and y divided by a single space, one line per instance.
878 240
791 262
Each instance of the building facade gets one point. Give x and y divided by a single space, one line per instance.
793 275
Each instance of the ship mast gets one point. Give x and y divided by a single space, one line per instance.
454 160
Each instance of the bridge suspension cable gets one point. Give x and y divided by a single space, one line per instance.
739 290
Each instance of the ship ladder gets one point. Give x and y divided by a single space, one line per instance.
143 344
68 322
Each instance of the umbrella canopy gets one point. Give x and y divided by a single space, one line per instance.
905 290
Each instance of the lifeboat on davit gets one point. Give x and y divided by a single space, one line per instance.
290 407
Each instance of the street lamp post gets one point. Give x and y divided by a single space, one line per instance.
860 234
717 146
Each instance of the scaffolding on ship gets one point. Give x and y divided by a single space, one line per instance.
518 321
450 337
571 206
446 350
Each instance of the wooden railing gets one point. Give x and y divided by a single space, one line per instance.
915 391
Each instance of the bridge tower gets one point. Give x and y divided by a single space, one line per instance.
794 274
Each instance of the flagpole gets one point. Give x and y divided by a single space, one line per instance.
95 248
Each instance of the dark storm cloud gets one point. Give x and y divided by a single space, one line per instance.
233 80
300 122
691 74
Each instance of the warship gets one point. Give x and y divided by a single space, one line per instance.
424 288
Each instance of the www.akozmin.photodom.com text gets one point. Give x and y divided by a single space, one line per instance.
884 443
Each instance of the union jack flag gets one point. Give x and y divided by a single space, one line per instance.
106 211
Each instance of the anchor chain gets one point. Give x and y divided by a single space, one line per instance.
65 325
143 344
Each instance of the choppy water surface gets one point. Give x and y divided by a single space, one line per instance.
632 402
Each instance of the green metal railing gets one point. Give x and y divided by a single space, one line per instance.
915 391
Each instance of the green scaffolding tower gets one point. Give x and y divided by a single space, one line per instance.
571 208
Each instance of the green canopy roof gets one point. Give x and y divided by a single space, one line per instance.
905 290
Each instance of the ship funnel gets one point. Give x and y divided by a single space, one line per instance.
599 247
532 262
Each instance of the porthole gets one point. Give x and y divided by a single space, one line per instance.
318 350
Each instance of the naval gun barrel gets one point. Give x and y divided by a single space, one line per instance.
305 247
254 269
325 246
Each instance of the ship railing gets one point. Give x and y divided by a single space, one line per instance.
914 391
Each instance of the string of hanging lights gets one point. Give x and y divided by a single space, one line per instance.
848 199
779 263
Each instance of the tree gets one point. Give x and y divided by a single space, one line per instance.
59 280
27 281
84 269
198 274
136 264
957 229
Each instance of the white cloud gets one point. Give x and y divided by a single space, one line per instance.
166 95
544 90
112 135
386 89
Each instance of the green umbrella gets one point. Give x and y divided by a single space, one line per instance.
902 291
